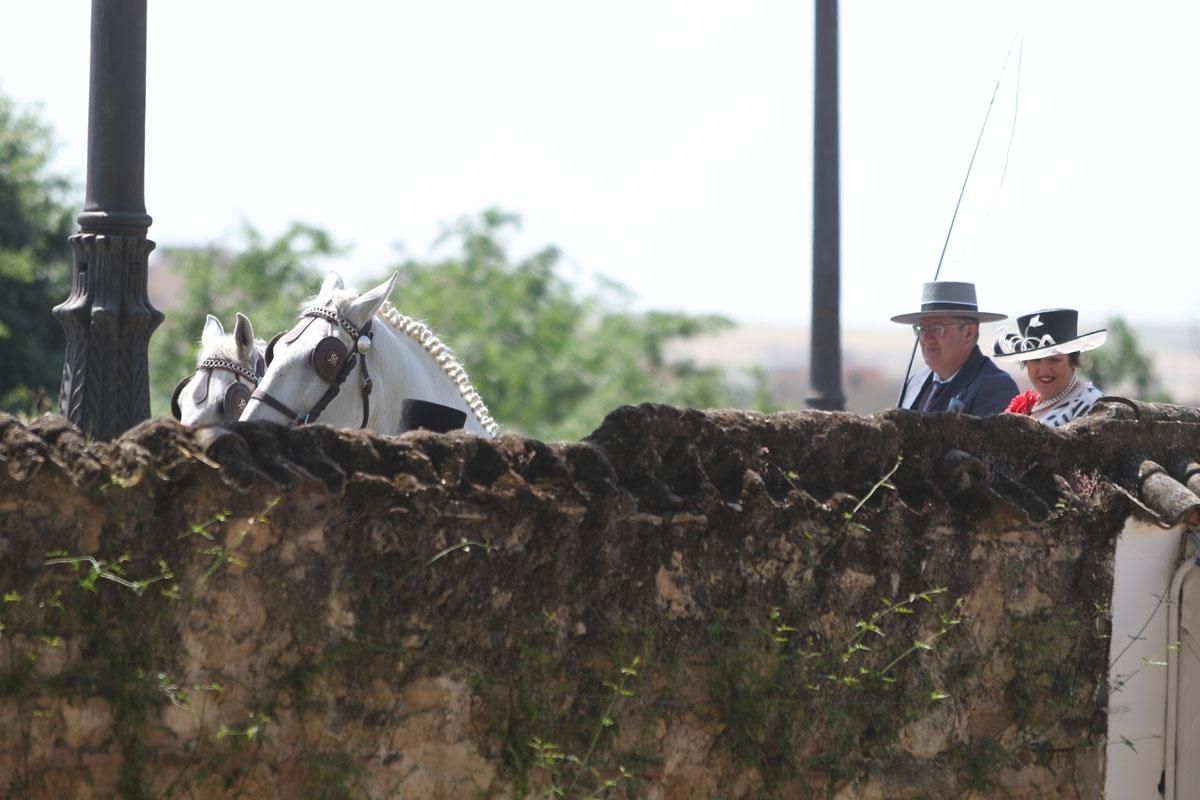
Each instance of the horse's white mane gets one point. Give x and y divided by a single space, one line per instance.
420 332
226 347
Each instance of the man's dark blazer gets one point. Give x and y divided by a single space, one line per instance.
980 388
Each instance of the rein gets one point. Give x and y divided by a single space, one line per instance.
332 363
962 190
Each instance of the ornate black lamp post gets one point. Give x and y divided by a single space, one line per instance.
108 318
826 345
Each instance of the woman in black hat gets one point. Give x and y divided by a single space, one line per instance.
1048 345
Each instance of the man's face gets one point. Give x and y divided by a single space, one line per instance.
945 354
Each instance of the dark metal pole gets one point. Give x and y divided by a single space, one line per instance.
108 318
826 345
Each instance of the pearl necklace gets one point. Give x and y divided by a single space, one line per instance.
1053 401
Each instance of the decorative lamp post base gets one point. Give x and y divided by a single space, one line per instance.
108 322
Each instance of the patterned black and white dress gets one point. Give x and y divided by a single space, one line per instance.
1075 403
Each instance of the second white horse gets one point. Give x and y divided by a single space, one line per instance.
227 371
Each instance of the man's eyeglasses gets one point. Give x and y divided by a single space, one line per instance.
937 331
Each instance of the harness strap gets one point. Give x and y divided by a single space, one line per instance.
336 385
200 393
230 366
367 385
278 405
332 391
299 328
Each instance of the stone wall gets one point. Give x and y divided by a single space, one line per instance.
685 605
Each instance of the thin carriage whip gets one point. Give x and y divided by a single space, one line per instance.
962 190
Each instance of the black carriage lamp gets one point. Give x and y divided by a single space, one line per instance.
108 318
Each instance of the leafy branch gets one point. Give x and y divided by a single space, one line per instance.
883 483
463 544
113 571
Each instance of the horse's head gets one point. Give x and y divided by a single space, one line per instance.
227 371
311 369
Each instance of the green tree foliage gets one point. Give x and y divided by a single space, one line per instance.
550 359
266 281
35 261
1120 365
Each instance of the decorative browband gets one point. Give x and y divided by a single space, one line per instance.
232 366
336 318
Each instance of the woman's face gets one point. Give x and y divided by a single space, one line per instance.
1049 375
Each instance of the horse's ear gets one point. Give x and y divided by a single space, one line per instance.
243 336
212 329
331 284
367 304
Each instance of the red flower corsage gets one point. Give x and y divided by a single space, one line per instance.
1024 402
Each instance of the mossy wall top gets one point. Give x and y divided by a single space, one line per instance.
686 604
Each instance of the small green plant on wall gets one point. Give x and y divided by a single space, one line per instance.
574 776
790 700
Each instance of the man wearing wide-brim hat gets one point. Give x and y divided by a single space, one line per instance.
959 376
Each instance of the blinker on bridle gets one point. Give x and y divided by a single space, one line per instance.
330 360
237 394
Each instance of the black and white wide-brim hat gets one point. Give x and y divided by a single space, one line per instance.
1049 332
951 299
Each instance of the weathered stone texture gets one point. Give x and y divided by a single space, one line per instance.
690 604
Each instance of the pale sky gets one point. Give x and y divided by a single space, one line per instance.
668 145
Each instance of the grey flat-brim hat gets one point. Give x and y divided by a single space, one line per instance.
951 299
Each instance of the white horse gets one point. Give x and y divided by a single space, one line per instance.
227 372
354 361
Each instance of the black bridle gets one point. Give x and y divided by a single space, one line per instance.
237 394
330 360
